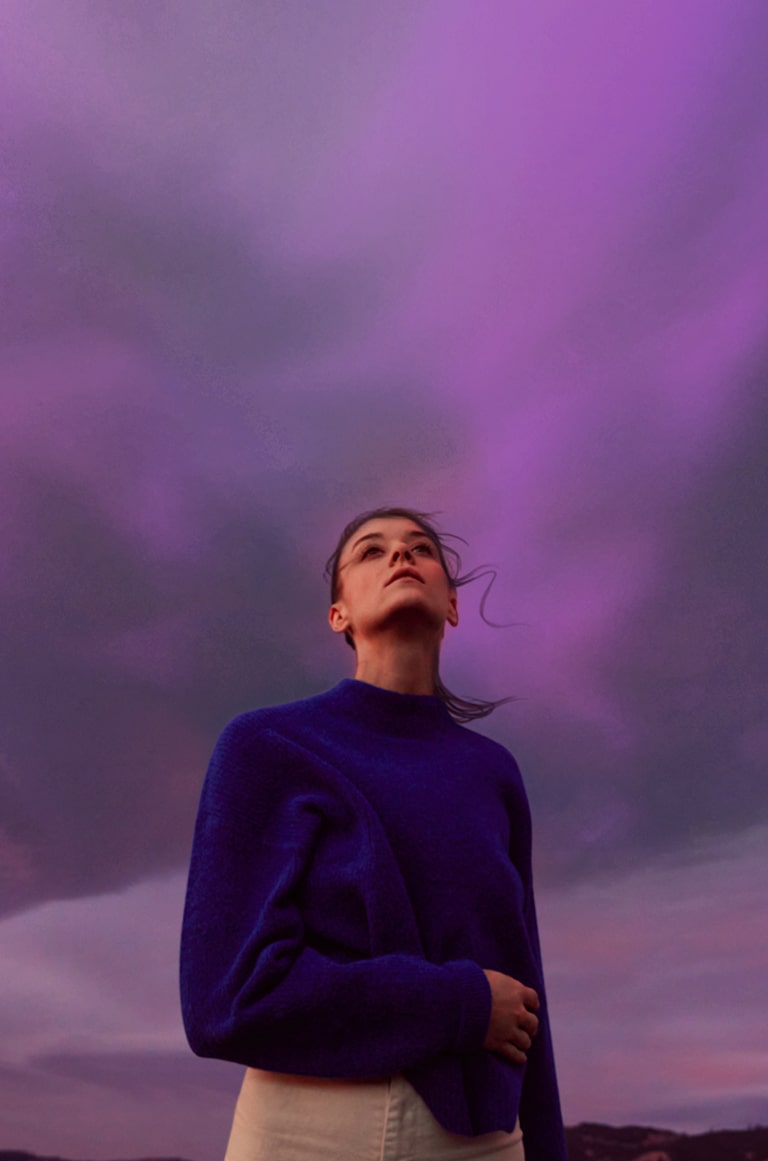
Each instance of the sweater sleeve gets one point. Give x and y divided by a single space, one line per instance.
540 1113
259 986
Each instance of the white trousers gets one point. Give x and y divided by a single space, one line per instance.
301 1118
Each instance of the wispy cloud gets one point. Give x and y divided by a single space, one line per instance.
655 979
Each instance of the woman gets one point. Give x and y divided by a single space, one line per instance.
359 929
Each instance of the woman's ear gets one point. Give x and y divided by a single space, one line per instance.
337 618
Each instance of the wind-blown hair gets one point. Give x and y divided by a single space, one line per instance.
461 709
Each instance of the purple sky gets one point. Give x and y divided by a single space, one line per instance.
265 266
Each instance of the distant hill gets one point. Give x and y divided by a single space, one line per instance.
16 1155
595 1142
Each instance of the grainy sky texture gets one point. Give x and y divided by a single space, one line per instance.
266 265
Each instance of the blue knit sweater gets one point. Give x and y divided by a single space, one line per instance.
359 857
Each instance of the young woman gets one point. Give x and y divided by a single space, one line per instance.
359 929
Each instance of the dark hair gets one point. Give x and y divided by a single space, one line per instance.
461 709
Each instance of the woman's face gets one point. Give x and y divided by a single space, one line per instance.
369 597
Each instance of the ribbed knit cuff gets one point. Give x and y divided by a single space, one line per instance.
474 1004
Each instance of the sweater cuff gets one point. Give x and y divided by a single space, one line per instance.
474 1004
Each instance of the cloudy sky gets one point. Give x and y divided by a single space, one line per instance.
266 265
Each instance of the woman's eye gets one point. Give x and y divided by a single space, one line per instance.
377 548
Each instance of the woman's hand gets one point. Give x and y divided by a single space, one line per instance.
513 1023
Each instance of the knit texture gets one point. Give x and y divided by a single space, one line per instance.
358 859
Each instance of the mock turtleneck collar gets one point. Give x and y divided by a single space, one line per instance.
387 711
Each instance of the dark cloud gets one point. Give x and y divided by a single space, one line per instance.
129 651
108 1104
126 665
139 1073
693 667
684 669
197 295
